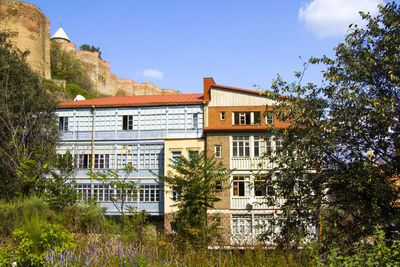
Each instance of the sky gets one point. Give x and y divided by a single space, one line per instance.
176 43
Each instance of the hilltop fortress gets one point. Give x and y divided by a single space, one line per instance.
29 30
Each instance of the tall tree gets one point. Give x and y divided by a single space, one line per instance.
339 151
28 127
195 181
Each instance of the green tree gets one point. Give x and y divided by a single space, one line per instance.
28 127
345 134
195 181
91 48
301 165
66 67
59 186
124 186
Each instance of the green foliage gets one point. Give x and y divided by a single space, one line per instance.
84 218
125 187
91 48
50 86
13 214
339 151
195 180
65 66
28 128
376 252
35 237
59 187
74 90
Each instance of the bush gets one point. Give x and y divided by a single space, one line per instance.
74 90
35 237
13 214
376 253
84 218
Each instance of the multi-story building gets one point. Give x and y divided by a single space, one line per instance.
112 132
235 130
147 132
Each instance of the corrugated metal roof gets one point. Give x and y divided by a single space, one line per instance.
140 100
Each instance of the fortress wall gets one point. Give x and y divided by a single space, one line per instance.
29 30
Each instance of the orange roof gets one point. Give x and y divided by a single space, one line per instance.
139 100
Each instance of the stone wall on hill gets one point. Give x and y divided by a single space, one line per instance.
108 83
29 30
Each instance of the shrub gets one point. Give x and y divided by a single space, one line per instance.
74 90
377 253
84 218
13 214
35 237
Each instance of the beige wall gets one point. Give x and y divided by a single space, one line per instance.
174 145
234 98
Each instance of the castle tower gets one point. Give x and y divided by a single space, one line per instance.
29 29
60 36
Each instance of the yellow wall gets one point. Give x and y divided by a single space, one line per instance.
183 145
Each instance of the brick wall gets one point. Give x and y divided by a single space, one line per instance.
214 117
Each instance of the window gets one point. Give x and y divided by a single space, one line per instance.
63 123
260 186
149 193
222 115
127 122
176 155
218 186
278 146
218 221
102 192
217 151
83 191
84 161
246 118
195 120
240 186
241 146
241 224
262 145
175 195
101 161
269 118
151 156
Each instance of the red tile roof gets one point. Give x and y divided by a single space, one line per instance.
140 100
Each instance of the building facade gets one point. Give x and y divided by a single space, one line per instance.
112 132
236 132
148 132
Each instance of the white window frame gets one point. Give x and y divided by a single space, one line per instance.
218 151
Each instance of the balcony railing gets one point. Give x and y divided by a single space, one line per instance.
244 203
250 163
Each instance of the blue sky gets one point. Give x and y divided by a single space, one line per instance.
175 43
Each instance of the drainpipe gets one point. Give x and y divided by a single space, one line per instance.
92 167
